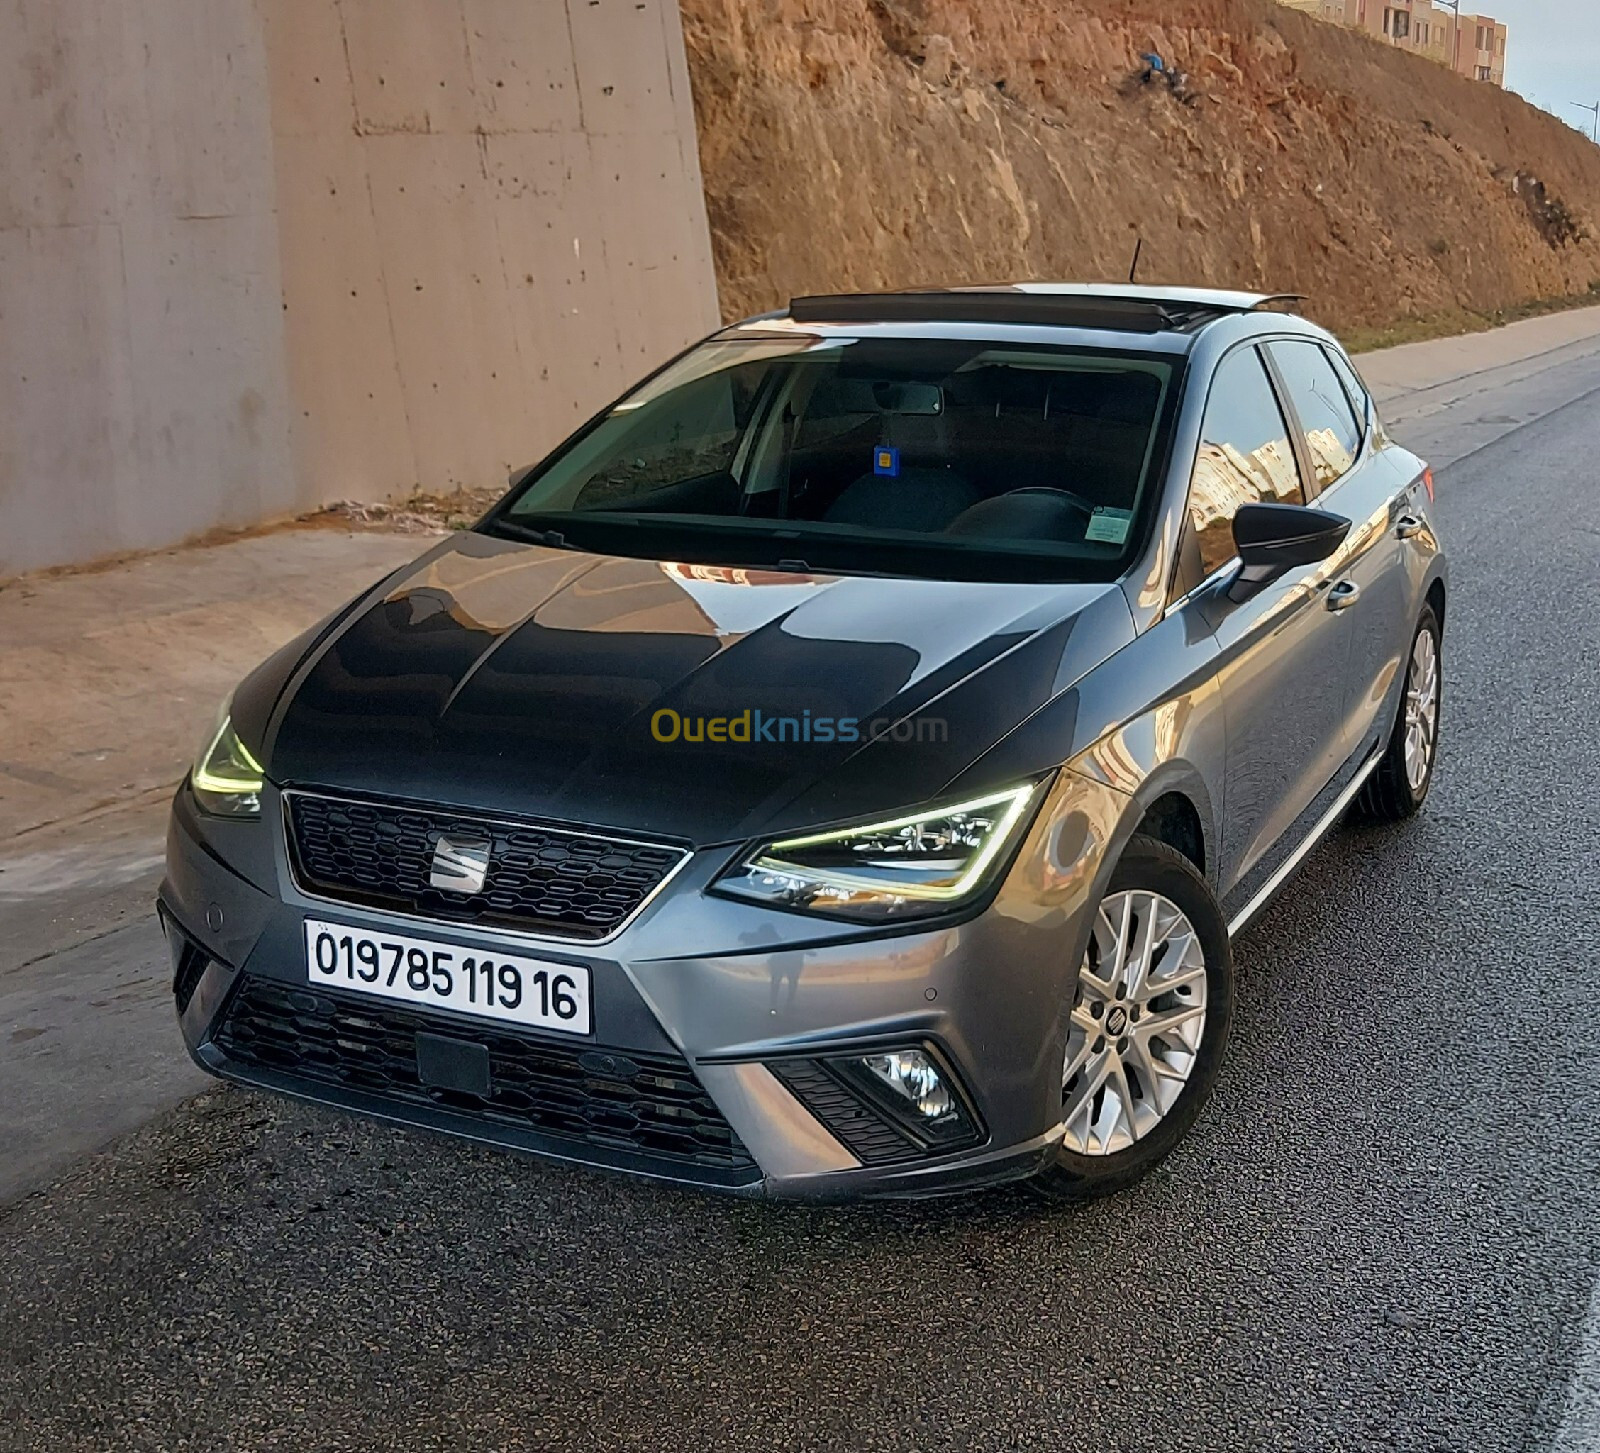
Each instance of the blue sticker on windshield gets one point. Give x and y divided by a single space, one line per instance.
886 461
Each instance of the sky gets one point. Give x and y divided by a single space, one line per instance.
1552 52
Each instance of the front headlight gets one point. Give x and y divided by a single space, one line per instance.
925 862
225 778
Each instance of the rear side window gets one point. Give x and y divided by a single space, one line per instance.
1352 384
1245 456
1333 437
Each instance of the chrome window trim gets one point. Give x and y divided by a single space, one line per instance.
518 935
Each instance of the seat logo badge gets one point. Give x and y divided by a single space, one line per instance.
460 865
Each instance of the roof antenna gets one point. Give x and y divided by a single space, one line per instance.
1138 247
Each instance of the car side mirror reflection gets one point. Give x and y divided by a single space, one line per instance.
1273 539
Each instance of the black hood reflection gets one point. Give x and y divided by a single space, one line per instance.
511 677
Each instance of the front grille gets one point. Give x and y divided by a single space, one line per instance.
582 886
608 1099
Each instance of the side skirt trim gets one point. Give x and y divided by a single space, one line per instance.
1322 827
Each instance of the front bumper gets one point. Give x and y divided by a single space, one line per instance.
701 1006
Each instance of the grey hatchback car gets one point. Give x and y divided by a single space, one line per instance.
840 768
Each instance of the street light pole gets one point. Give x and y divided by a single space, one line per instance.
1454 7
1596 109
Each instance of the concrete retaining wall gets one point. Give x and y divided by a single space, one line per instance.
256 255
143 391
491 220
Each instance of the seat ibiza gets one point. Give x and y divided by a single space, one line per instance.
840 768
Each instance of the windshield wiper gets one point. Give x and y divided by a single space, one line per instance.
554 539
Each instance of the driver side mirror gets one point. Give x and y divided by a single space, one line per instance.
1273 539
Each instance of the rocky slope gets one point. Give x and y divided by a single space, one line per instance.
886 143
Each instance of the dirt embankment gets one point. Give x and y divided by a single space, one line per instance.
887 143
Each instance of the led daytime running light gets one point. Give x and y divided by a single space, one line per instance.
1016 800
206 779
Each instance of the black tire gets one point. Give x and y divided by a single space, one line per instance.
1150 864
1388 795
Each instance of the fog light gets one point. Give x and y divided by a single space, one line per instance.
891 1105
910 1073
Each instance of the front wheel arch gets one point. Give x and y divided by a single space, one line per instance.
1149 865
1174 820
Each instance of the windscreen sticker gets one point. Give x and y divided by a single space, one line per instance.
1108 526
886 461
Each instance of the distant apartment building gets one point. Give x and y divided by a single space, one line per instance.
1471 45
1322 9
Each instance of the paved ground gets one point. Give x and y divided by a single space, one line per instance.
108 681
1451 396
1383 1232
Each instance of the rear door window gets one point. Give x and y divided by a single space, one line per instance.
1245 456
1359 398
1333 437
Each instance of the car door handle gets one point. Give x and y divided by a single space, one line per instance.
1407 526
1344 595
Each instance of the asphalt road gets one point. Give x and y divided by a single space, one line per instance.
1382 1232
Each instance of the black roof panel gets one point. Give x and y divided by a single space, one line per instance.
1117 315
1142 310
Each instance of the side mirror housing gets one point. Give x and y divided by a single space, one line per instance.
1273 539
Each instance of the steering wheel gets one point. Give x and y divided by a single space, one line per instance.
1065 496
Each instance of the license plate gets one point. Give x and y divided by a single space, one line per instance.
420 971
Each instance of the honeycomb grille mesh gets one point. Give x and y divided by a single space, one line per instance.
621 1100
570 885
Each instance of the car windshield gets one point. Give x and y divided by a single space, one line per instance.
936 458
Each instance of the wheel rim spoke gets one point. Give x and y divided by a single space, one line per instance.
1137 1024
1181 1022
1421 709
1081 1111
1164 1079
1145 943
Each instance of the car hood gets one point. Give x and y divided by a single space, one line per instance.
510 677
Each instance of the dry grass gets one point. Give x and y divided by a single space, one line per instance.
419 514
1453 324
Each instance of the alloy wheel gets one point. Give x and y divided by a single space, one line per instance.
1137 1023
1422 709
